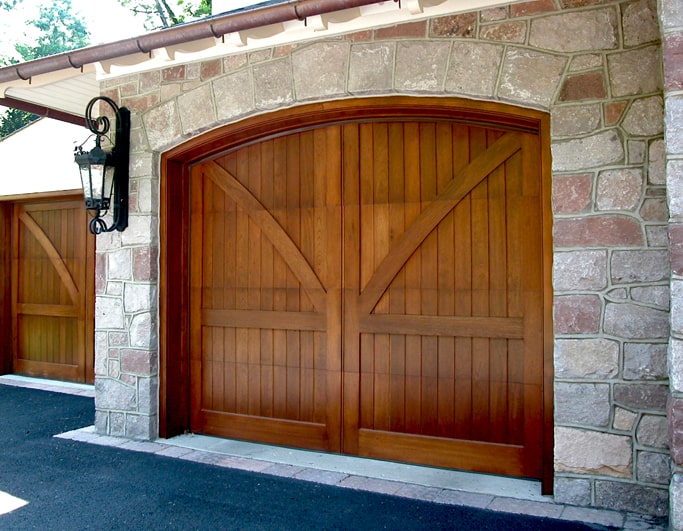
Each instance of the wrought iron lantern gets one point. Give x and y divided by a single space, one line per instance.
104 174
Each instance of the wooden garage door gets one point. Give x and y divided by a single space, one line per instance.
52 296
375 289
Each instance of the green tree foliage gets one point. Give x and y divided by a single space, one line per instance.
58 30
6 5
13 120
161 14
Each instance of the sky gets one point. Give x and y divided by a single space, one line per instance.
107 21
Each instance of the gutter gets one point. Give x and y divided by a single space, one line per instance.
41 110
215 27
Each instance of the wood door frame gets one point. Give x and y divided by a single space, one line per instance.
6 275
174 278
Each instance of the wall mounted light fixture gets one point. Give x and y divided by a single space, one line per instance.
104 174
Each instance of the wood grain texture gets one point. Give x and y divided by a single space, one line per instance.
53 292
378 286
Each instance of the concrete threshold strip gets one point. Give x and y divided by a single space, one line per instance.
450 487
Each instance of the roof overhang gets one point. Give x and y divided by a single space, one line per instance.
60 86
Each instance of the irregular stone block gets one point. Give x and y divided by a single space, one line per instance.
619 189
118 264
656 295
531 77
589 86
656 170
577 314
639 266
572 491
597 230
674 124
139 362
233 94
645 361
675 364
609 455
580 270
141 427
143 331
505 32
421 66
653 468
641 396
112 394
676 492
675 234
631 497
575 120
320 70
371 67
141 230
654 209
586 358
675 430
635 72
461 25
640 22
653 431
473 68
624 420
572 193
162 124
273 84
586 404
582 31
644 118
677 305
631 321
593 151
108 313
673 61
139 297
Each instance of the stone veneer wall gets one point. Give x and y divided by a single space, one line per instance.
671 20
596 67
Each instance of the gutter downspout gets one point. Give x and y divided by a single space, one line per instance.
202 29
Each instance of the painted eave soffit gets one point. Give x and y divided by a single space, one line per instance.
70 89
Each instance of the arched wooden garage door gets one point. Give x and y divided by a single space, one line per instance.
375 283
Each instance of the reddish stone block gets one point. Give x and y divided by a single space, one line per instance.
672 52
571 4
613 112
572 193
210 69
141 103
577 314
525 9
128 89
676 248
173 73
138 362
675 416
597 230
360 36
100 273
464 25
145 263
412 29
589 86
149 81
654 209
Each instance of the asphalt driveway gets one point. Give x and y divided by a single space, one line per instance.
73 485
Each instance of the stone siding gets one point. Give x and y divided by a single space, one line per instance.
596 68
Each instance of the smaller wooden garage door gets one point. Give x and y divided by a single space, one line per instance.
373 288
52 291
